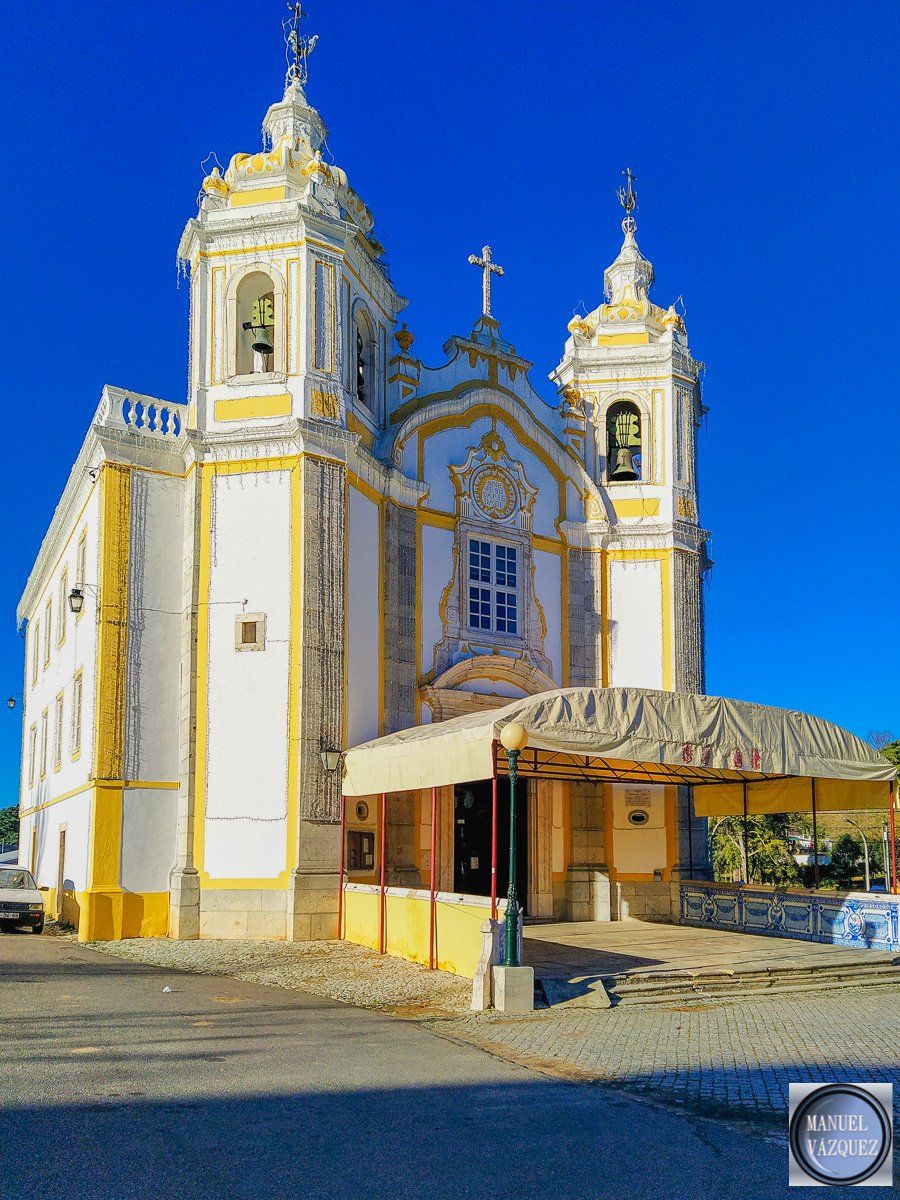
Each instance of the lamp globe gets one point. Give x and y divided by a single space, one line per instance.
514 736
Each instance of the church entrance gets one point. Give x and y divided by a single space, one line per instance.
472 839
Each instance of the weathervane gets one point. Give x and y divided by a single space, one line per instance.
628 199
298 46
488 268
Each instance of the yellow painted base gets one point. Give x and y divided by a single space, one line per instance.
458 936
108 915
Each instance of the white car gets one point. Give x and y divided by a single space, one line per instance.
20 901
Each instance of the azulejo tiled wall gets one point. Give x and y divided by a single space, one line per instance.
844 918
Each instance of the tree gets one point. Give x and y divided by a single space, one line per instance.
769 855
880 738
846 859
891 751
9 826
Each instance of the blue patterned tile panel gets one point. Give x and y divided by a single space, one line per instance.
853 920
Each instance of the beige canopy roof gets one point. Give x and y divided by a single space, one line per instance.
639 735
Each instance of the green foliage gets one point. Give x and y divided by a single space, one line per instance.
770 858
9 825
846 861
892 752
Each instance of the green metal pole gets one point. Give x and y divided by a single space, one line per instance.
511 943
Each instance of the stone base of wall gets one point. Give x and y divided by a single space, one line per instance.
646 901
587 894
243 913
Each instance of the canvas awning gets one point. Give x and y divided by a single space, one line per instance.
646 736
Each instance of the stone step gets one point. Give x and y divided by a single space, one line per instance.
697 997
666 985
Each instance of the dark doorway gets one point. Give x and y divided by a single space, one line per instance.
472 839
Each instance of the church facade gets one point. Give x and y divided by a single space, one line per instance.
331 541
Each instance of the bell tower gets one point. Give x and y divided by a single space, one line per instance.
628 376
292 307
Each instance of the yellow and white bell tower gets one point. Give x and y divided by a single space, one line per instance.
630 396
292 308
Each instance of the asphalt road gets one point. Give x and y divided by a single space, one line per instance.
114 1089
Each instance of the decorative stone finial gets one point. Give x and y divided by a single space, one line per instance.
404 338
298 47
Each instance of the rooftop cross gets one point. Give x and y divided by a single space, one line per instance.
488 268
299 47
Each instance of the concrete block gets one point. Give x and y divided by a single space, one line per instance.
323 926
514 989
223 924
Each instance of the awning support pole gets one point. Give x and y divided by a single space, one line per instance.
812 784
381 908
494 847
690 821
892 834
746 871
341 868
432 926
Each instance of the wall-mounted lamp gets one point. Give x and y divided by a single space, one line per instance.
76 596
331 759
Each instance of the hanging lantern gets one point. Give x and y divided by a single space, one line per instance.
261 323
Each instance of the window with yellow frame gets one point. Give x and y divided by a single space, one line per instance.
61 606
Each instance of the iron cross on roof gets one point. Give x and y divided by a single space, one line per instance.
488 268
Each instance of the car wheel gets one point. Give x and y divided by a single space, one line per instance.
38 926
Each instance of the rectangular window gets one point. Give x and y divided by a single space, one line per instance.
35 650
32 754
45 719
82 558
58 733
75 732
61 607
48 630
493 587
250 631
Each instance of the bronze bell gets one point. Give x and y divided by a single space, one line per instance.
624 466
262 339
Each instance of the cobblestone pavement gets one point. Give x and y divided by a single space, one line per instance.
733 1057
737 1055
339 970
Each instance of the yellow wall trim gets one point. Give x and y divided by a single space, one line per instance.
251 408
256 196
109 914
623 339
365 435
636 508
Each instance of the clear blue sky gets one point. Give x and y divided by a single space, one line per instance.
764 140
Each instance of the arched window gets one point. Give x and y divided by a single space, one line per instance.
623 442
364 359
256 325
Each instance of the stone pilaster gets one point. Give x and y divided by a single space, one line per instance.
587 881
585 618
313 890
184 880
689 664
540 848
399 550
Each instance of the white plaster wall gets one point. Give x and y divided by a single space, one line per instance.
154 628
148 838
638 850
437 569
548 589
79 650
362 622
75 814
246 775
635 605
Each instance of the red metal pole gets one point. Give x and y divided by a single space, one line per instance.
494 847
432 911
341 868
382 939
892 834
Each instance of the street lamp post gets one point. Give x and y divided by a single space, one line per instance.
514 739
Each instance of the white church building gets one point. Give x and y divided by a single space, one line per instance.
331 540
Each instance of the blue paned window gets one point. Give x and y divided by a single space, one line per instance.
493 587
